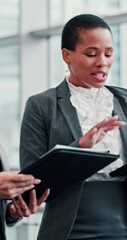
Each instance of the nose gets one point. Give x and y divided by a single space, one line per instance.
101 61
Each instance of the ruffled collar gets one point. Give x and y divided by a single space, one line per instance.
92 104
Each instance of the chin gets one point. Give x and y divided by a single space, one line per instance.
100 85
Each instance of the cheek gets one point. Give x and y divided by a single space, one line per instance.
75 65
111 62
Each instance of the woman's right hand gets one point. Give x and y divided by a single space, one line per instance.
13 184
98 132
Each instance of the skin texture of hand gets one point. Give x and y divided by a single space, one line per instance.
20 209
12 184
97 133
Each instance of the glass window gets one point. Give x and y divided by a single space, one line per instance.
9 80
56 65
56 12
60 11
9 17
118 72
9 101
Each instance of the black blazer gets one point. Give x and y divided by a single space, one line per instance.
50 119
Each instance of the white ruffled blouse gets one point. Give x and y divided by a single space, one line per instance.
92 106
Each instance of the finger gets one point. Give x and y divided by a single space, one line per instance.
93 135
87 140
106 121
23 183
15 191
23 206
33 202
92 131
23 180
107 129
18 212
43 197
22 177
21 202
115 124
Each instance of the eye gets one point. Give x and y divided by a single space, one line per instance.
109 54
90 54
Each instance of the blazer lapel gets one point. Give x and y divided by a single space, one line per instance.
123 130
69 112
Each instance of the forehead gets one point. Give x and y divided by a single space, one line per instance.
95 37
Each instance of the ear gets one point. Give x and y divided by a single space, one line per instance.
66 55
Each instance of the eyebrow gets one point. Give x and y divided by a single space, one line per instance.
95 48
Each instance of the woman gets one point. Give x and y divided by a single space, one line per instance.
82 112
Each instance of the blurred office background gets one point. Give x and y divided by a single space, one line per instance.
30 62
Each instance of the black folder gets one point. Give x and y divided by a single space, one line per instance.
63 166
119 172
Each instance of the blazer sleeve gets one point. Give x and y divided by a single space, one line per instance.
3 160
33 137
43 126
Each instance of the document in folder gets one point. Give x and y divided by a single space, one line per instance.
63 166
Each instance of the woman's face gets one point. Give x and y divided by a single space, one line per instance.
90 62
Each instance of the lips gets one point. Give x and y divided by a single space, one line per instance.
100 75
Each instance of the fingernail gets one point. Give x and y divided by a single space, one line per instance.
31 186
37 181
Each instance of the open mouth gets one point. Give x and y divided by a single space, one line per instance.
100 76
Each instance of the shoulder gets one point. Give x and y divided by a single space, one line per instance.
45 101
51 92
42 99
118 91
50 95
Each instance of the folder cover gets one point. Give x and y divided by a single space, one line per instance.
64 166
119 172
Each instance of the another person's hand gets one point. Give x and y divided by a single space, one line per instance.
19 208
97 133
12 184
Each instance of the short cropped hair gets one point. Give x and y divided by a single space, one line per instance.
70 33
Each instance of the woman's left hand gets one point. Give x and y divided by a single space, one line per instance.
98 131
19 208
